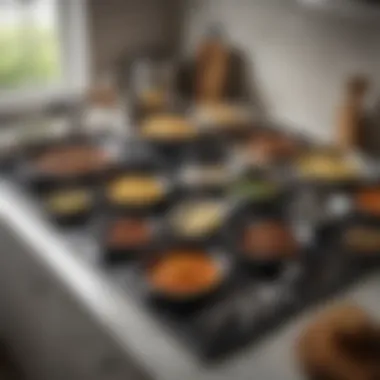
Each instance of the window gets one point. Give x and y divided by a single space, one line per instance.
42 48
29 44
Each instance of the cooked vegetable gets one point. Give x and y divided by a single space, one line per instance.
197 219
256 189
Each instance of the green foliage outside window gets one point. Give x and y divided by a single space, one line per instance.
29 57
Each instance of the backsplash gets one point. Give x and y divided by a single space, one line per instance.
299 58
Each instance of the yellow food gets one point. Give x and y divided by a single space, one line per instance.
167 127
68 202
326 167
135 190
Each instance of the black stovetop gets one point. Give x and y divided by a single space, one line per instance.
249 305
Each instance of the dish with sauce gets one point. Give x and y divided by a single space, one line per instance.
71 161
268 240
126 234
367 201
185 274
136 190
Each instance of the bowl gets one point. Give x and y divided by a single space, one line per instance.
127 238
137 192
366 201
69 205
64 163
198 219
259 193
265 244
171 135
328 167
358 238
185 276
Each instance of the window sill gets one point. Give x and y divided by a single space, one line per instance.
19 102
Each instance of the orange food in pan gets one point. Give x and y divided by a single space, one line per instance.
184 273
368 201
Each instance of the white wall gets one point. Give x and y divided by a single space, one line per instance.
301 58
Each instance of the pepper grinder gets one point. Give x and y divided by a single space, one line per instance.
351 114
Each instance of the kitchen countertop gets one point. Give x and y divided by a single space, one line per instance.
142 338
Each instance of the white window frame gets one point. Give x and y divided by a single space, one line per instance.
76 70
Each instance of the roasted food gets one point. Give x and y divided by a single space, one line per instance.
126 233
